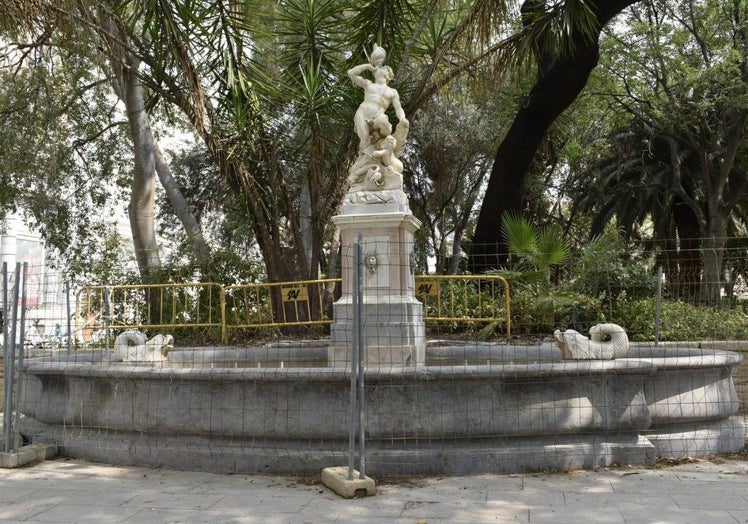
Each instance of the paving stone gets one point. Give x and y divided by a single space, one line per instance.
68 491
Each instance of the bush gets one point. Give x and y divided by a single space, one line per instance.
609 269
533 314
680 321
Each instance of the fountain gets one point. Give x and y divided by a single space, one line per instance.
501 409
442 409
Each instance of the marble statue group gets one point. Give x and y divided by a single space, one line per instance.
378 166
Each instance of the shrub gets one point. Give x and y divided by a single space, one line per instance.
680 321
543 313
609 269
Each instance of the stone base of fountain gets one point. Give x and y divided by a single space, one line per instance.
518 409
393 330
224 455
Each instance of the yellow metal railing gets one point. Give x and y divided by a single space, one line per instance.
162 306
447 299
271 305
465 299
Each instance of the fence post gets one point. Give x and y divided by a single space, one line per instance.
224 328
658 306
19 391
9 373
69 317
77 316
358 360
106 317
6 359
361 356
354 361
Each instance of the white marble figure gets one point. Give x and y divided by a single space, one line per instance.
378 166
378 96
377 169
607 341
133 346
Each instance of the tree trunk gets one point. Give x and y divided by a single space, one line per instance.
143 189
200 249
688 256
142 208
305 224
561 78
149 161
713 254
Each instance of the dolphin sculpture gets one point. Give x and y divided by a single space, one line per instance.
606 341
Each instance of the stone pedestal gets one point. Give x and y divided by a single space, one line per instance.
393 328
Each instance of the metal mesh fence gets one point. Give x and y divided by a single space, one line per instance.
458 393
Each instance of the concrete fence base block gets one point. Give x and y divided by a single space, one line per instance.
337 480
27 455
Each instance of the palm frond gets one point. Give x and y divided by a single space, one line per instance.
519 235
551 247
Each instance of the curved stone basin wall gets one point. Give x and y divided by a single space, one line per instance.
508 415
692 401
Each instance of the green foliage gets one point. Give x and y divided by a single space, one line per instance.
447 154
534 250
110 262
608 268
228 266
536 303
677 84
465 299
61 145
680 321
533 313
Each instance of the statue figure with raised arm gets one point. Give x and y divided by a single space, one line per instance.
370 120
377 166
375 212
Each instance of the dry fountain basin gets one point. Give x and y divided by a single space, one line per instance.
480 408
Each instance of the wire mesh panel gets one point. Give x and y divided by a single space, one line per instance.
156 306
456 381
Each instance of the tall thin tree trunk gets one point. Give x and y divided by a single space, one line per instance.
191 226
689 263
149 162
142 206
713 254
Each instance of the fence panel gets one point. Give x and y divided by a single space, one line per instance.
154 306
465 299
474 405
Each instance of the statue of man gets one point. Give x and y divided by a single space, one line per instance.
370 121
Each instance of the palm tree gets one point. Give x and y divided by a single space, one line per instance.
534 254
633 182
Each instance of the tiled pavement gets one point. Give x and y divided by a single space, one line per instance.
69 490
